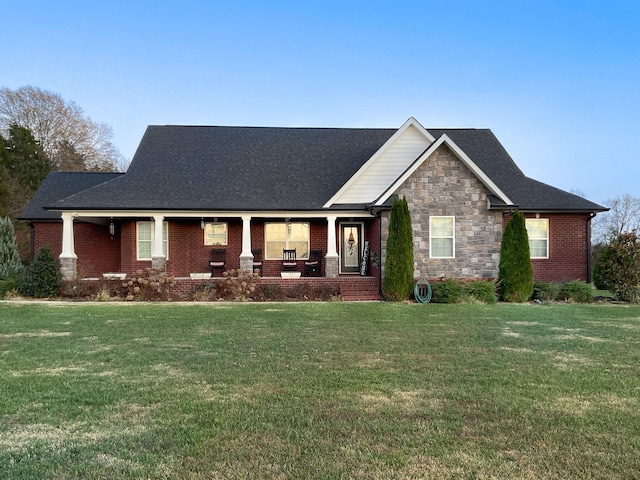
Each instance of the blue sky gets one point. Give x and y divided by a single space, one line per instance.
558 82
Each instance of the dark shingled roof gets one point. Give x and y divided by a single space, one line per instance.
487 152
59 185
265 168
236 168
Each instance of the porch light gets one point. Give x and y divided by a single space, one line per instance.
112 228
202 223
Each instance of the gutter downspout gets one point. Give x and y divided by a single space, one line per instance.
588 228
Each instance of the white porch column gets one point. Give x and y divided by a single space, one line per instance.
332 260
246 237
246 257
158 259
68 257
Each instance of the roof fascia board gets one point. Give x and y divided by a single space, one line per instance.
411 122
221 213
444 139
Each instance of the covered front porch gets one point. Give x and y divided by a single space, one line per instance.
182 243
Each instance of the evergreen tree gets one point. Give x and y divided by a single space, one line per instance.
515 270
24 158
43 277
398 266
10 263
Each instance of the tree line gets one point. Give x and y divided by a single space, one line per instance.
40 132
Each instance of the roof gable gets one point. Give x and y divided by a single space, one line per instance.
462 156
389 162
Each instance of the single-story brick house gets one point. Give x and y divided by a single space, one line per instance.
255 191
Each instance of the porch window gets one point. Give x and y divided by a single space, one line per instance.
538 232
442 237
145 235
215 233
278 236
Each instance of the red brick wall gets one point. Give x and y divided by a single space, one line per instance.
568 248
97 251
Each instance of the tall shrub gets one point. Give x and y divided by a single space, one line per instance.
10 263
515 270
398 266
42 279
619 269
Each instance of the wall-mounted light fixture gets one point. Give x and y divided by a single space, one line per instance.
112 228
202 223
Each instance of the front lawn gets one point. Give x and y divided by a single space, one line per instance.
319 390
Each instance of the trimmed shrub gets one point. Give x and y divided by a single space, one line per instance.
619 267
546 291
577 291
515 271
482 290
397 284
8 284
447 291
10 264
42 279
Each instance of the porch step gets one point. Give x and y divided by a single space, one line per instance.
361 289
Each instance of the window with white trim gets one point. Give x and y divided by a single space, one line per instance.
442 237
278 236
145 234
215 233
538 232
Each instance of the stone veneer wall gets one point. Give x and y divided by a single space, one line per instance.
443 185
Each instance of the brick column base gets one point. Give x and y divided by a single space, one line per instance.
159 263
331 267
246 263
68 268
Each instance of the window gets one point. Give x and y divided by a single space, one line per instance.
538 232
279 236
215 233
145 236
441 237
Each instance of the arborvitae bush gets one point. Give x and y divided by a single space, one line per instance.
10 264
620 267
577 291
42 279
515 270
397 284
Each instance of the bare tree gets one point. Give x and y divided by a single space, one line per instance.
623 216
66 134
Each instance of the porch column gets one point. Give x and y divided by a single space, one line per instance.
158 259
68 258
246 257
332 260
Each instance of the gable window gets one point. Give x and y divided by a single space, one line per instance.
278 236
145 236
441 237
215 233
538 232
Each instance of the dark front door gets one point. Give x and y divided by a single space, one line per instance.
350 247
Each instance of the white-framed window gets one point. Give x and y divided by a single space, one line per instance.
538 232
145 234
442 237
216 233
281 235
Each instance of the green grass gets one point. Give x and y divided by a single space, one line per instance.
312 390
